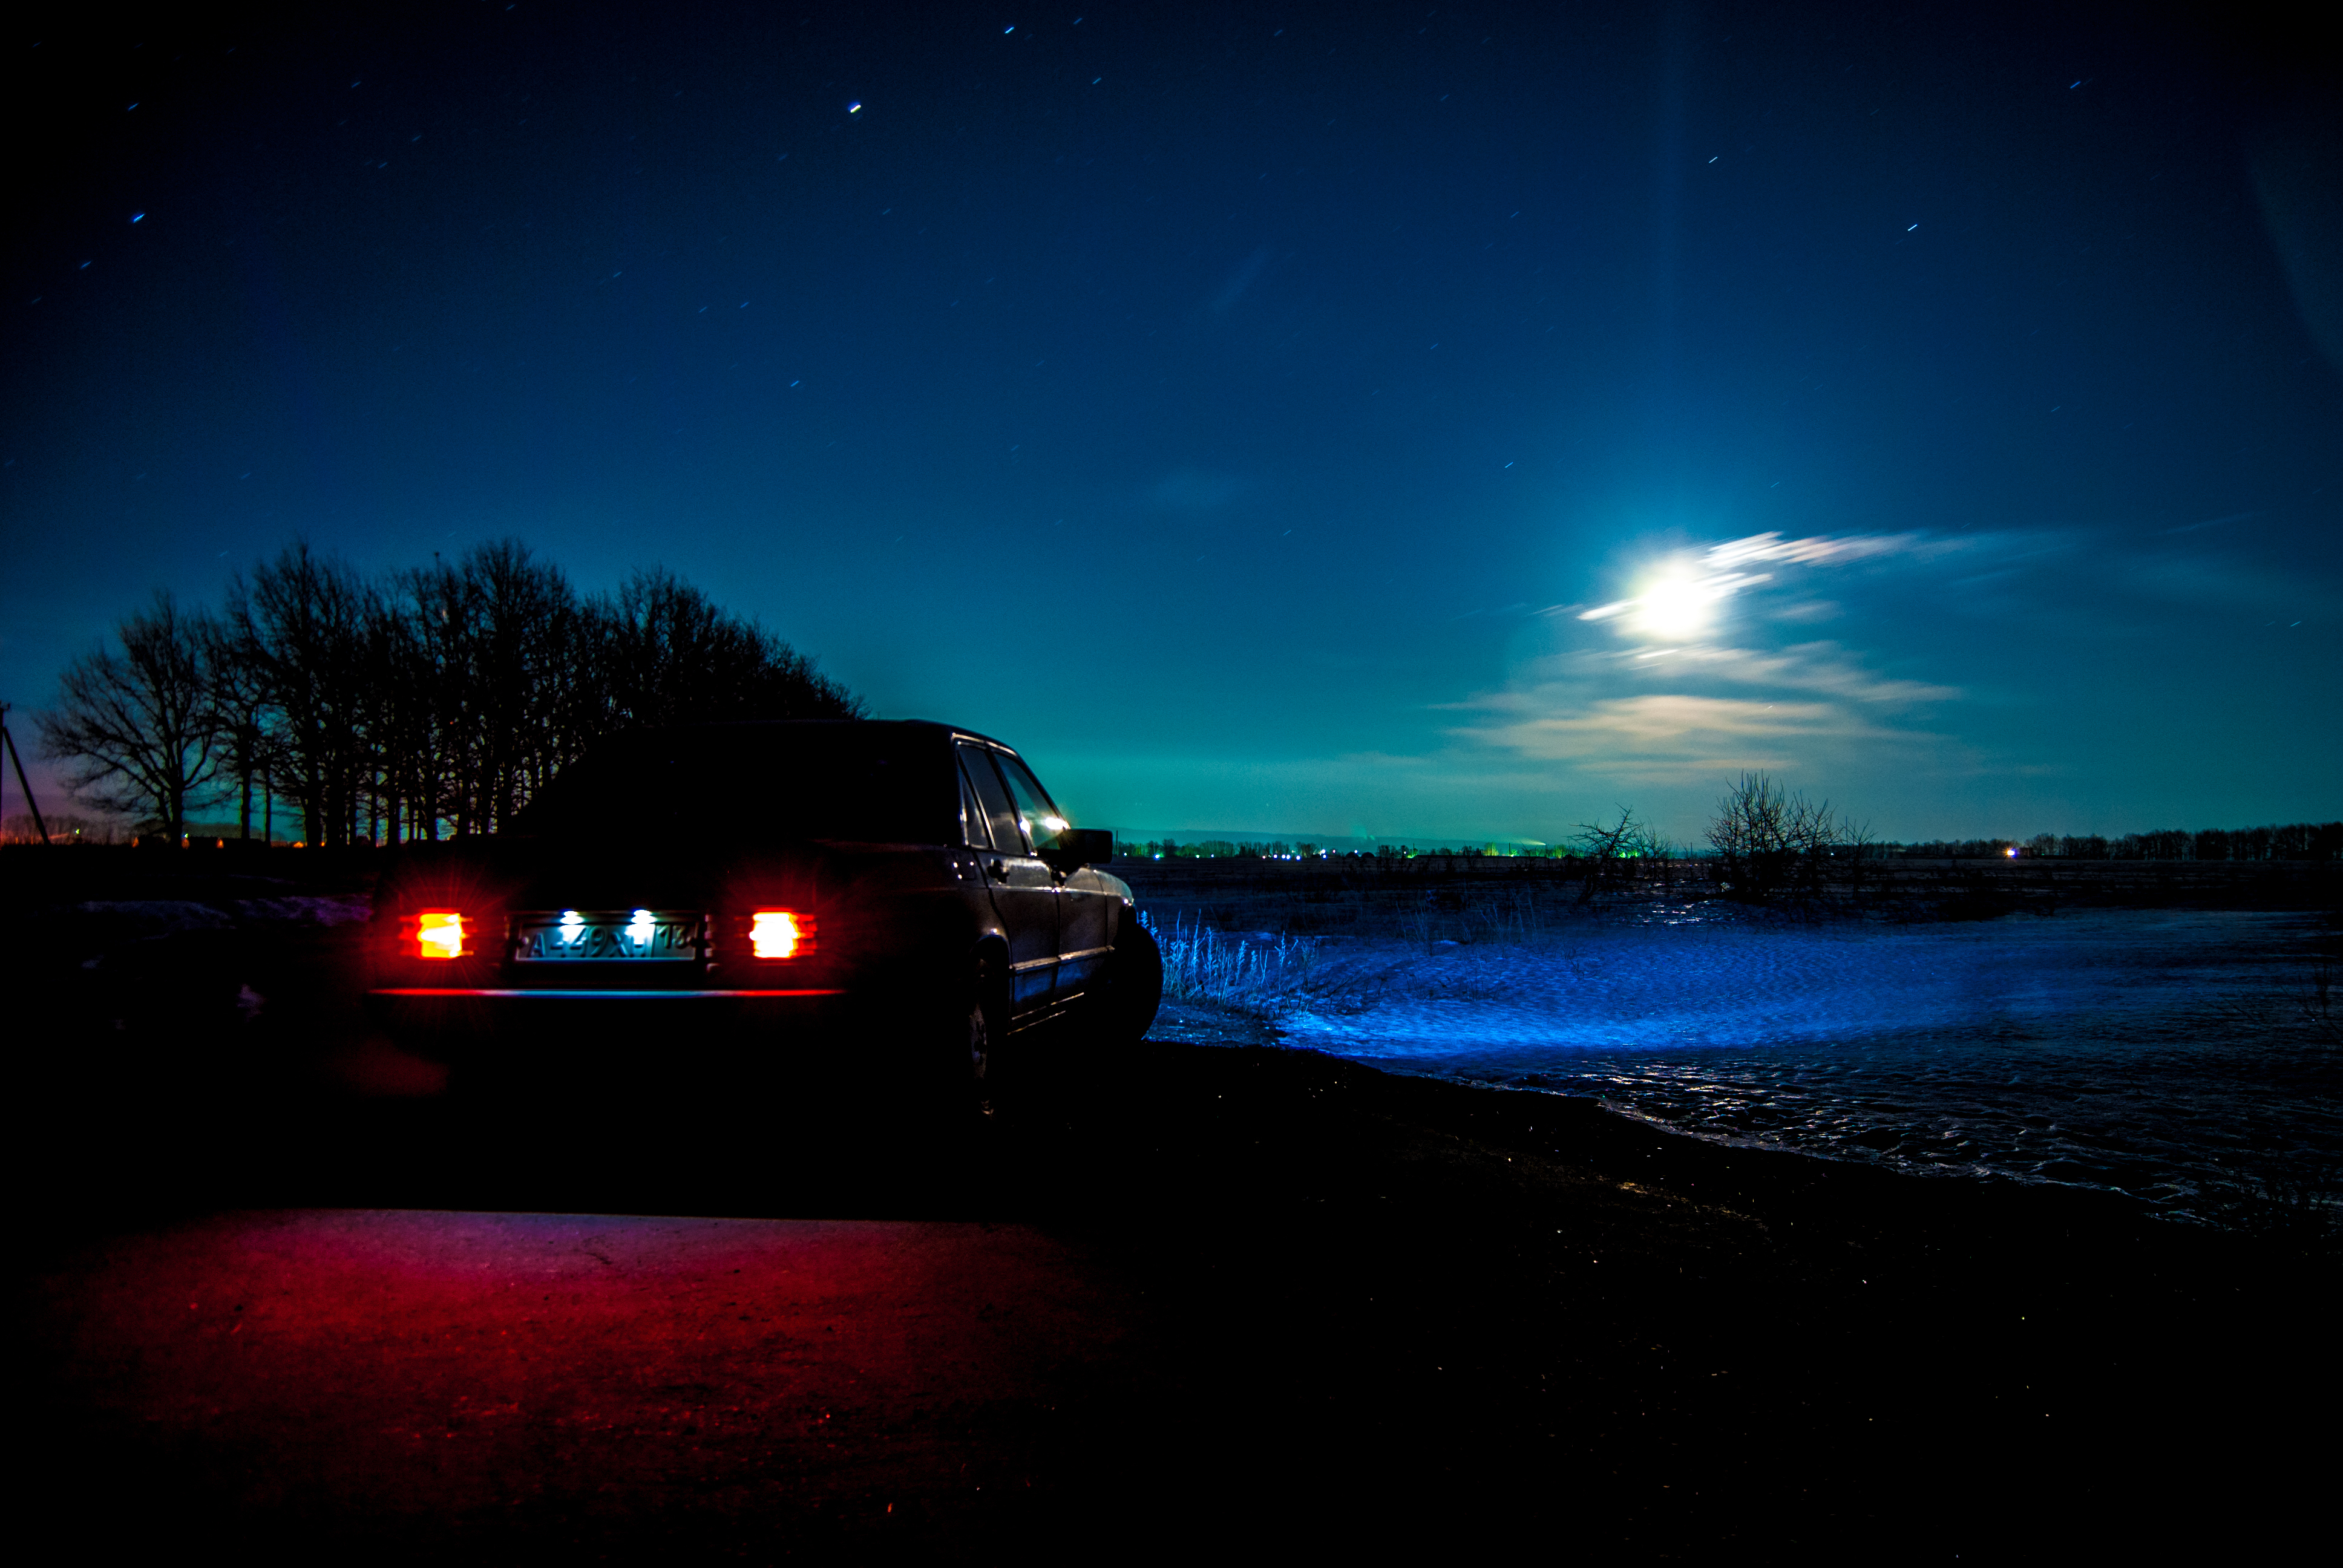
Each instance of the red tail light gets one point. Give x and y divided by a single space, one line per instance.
778 934
436 934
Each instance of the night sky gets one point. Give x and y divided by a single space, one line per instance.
1374 419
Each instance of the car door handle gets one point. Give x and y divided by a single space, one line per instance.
999 868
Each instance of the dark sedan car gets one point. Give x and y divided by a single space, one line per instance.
898 897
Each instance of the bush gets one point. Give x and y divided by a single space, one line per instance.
1770 841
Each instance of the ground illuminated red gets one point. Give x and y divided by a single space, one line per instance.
460 1364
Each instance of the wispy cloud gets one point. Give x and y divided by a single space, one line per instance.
2194 576
1812 697
1819 666
1671 736
2212 522
1683 595
1817 551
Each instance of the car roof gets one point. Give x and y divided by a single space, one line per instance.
955 731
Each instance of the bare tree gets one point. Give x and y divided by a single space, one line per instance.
301 625
1769 839
423 643
492 675
671 656
1863 847
1662 852
514 650
140 725
243 702
1606 848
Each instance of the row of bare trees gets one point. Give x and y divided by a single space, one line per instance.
2276 842
430 702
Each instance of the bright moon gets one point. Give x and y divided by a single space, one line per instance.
1675 608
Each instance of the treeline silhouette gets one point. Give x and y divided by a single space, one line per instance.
2293 841
418 704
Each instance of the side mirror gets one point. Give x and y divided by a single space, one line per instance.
1079 847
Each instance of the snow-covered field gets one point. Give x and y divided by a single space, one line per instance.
2177 1056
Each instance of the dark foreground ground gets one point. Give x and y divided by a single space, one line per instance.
1219 1297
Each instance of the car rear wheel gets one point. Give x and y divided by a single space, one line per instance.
971 1038
1134 986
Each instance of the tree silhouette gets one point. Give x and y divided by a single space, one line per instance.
434 701
140 724
1606 848
668 655
1768 840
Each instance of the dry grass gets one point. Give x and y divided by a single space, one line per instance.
1259 975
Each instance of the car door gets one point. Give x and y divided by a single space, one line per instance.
1024 892
1081 903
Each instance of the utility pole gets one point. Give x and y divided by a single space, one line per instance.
18 758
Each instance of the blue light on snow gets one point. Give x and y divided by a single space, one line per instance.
2086 1050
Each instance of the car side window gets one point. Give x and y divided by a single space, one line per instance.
996 809
1038 817
972 813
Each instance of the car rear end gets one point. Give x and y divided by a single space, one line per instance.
537 956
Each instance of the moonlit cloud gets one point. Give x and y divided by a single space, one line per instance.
1671 736
1568 709
1821 666
1676 602
1815 551
1671 708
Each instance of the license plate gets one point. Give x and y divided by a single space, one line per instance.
607 936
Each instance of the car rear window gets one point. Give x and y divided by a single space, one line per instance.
871 783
